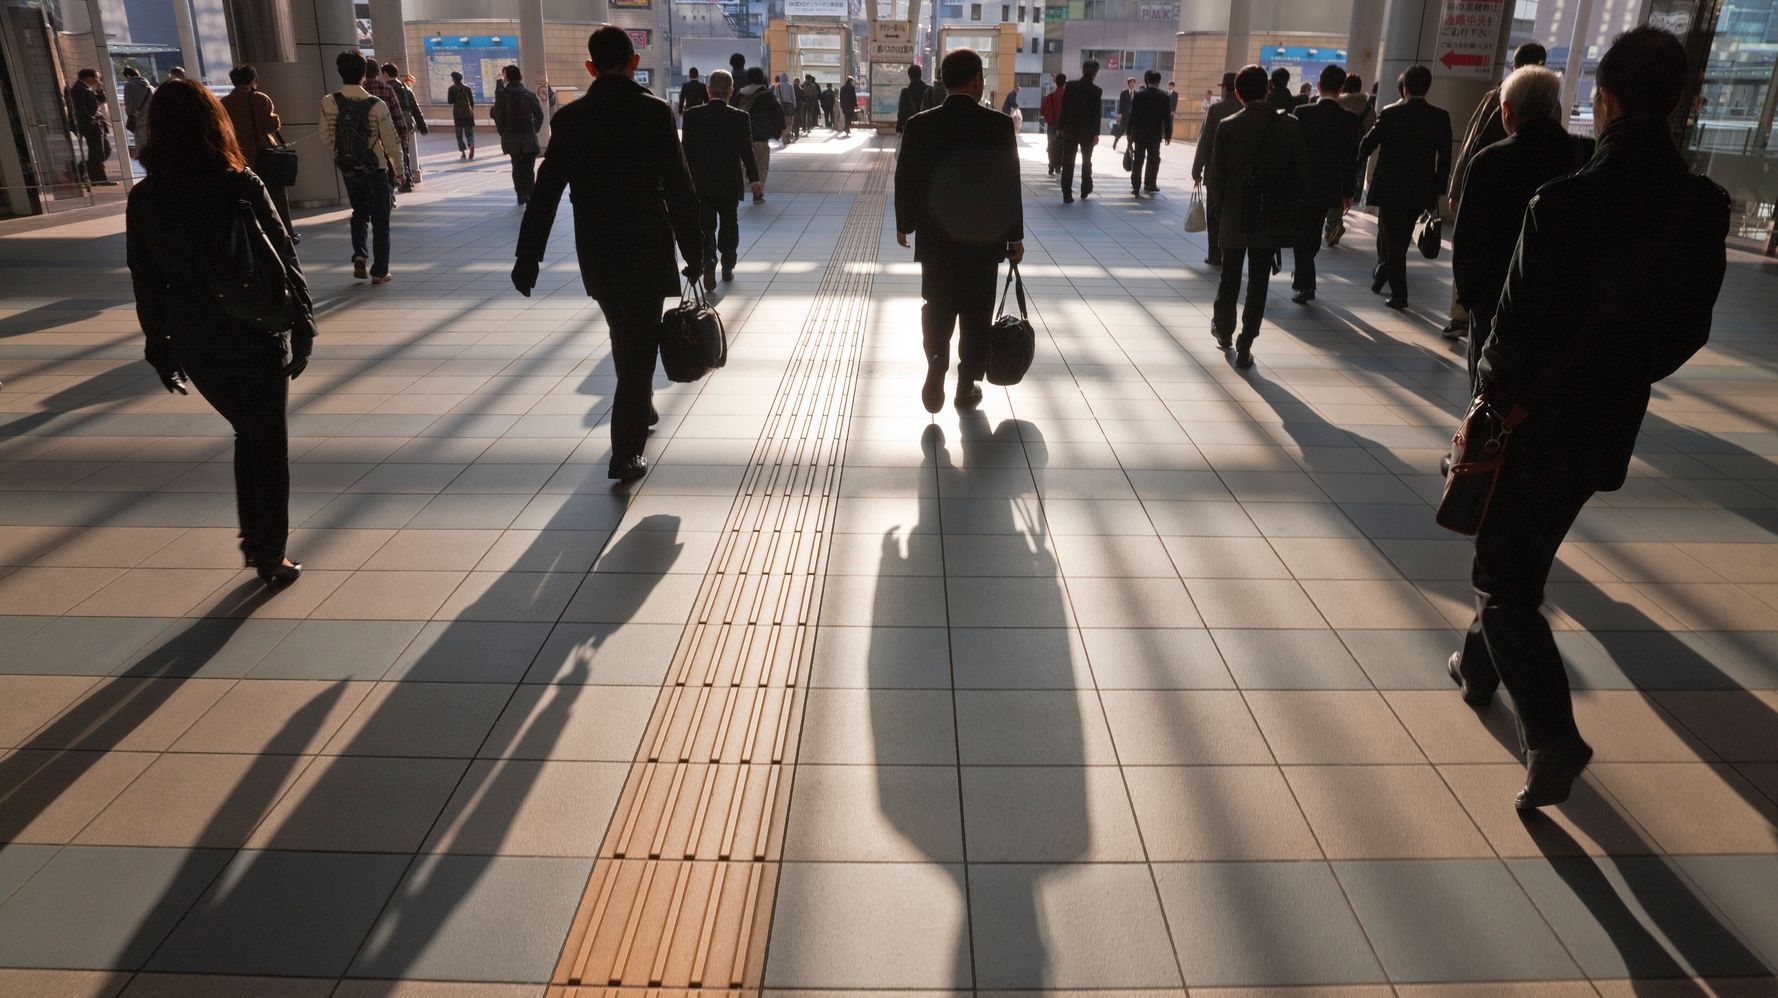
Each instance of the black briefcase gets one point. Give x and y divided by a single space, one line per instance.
1012 343
693 342
1429 233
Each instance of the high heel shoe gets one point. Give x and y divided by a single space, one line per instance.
280 575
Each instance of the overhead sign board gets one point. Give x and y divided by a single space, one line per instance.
892 41
794 9
1468 37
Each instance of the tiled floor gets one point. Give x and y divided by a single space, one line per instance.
1131 680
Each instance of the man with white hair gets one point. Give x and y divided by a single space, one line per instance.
1502 179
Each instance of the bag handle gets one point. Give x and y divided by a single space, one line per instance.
1014 280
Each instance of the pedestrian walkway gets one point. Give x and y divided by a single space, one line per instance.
1131 680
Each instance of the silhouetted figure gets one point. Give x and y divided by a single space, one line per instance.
518 116
1412 140
1330 136
1150 123
717 137
1080 130
1213 119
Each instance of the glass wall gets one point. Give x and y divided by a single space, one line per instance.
1733 141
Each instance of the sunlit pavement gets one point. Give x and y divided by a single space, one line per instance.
1131 679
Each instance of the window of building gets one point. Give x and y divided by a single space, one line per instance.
1052 46
975 12
951 10
1094 10
1021 13
1034 44
1005 12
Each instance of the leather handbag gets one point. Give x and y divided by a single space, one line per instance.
1130 158
276 165
1012 343
693 341
246 276
1429 233
1478 453
1196 219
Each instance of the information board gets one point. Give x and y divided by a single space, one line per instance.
892 41
1468 37
478 57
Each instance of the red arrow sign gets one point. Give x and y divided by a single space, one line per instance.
1454 59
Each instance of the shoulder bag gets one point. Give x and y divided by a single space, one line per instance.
1195 218
693 341
1012 343
276 165
246 275
1429 233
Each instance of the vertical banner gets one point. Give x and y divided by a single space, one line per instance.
1468 37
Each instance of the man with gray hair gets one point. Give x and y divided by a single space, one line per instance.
1502 179
717 137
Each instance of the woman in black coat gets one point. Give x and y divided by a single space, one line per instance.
196 176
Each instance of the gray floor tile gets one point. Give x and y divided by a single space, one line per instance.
875 814
81 646
1183 728
1048 814
1404 660
17 864
470 652
1289 660
475 918
882 658
1452 920
1034 658
102 908
218 649
282 913
1635 916
1746 889
1263 924
1031 728
338 649
1155 659
878 727
875 926
1074 926
592 654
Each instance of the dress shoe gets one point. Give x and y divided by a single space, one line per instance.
385 279
1152 190
628 469
1303 297
1399 303
1456 329
1085 192
1135 192
654 416
932 393
1243 358
360 267
709 277
1067 198
1552 772
1377 284
280 575
1473 694
969 395
727 276
1223 340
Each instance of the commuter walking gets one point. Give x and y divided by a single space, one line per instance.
1172 98
137 92
617 151
768 123
1610 290
1502 180
957 194
1050 110
828 96
517 117
1080 130
196 176
1213 119
86 106
1120 125
848 104
1353 99
1412 143
717 137
1280 97
789 96
255 121
1262 169
1330 137
1150 124
376 86
462 101
913 99
360 131
410 109
811 104
1485 128
693 92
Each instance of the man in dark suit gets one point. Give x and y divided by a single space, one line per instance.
718 136
1120 126
1265 145
913 99
1150 124
1501 181
633 197
86 106
1412 140
1081 112
1610 290
1213 119
1331 134
957 192
693 92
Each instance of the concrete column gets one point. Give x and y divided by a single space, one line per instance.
1240 36
1580 36
1406 41
1364 39
389 29
188 39
531 57
320 30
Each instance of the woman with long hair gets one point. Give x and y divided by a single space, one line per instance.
196 179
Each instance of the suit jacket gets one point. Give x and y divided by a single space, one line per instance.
1243 149
1081 111
1150 120
935 95
1502 180
1282 100
692 94
1124 97
1331 135
1412 140
957 185
617 148
848 98
84 106
716 138
1213 119
913 97
1628 253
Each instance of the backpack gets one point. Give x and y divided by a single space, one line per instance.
460 101
1271 204
352 151
247 279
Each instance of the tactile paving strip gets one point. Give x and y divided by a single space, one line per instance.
680 897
